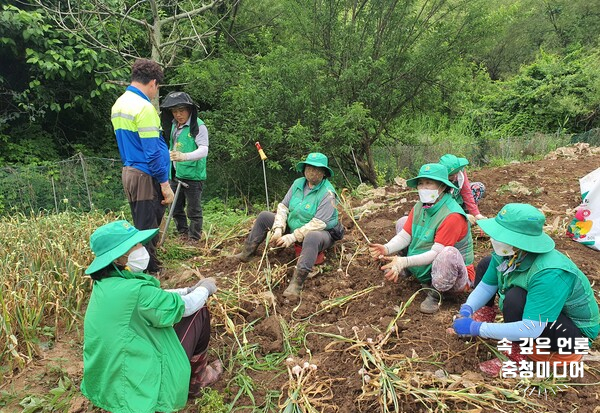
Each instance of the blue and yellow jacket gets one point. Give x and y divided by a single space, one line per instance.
137 128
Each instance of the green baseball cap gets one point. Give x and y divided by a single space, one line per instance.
453 163
519 225
434 171
315 159
113 240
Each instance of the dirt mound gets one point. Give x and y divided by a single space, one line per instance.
549 184
350 321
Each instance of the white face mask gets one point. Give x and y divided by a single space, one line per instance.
138 260
428 196
502 249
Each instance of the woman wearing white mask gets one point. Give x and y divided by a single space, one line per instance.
541 292
145 348
438 237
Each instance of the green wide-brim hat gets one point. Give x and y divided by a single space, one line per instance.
315 159
113 240
519 225
434 171
453 163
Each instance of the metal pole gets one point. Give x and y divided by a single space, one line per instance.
340 167
356 164
263 157
87 187
172 209
54 192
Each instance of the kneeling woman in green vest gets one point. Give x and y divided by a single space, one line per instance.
542 293
307 216
438 237
144 348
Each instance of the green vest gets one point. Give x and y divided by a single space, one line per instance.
133 361
193 170
424 226
303 208
580 306
458 197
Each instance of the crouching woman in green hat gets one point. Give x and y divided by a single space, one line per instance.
307 217
542 293
468 194
438 237
145 348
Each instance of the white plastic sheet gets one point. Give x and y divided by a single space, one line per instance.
585 227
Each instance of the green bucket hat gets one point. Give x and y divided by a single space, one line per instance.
113 240
519 225
315 159
434 171
453 163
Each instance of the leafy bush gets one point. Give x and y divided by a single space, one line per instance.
555 94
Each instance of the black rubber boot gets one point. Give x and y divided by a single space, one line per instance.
295 288
247 252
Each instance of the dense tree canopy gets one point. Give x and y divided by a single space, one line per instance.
342 77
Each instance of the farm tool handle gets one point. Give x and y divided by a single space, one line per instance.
172 209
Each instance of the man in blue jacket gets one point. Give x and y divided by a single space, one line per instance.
144 153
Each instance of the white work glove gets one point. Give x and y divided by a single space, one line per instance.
167 193
178 156
312 225
394 267
281 217
209 283
377 250
277 233
479 216
471 219
286 241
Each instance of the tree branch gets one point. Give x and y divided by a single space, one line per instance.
192 13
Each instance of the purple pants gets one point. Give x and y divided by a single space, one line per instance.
194 332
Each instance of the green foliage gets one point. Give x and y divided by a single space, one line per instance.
553 94
57 400
357 83
55 85
333 85
223 215
210 401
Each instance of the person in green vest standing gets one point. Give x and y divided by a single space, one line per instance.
542 293
144 348
187 136
307 217
438 237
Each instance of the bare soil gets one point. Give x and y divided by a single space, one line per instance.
553 187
